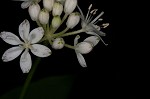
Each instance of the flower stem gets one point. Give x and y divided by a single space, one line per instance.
72 33
69 46
29 77
38 23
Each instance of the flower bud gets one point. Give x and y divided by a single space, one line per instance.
70 5
57 9
56 21
73 20
44 16
84 47
58 43
48 4
34 10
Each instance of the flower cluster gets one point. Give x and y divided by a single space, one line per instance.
46 31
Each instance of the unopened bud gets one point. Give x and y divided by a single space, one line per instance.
58 43
34 10
73 20
84 47
44 16
48 4
56 21
57 9
70 5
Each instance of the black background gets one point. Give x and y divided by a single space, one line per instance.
111 71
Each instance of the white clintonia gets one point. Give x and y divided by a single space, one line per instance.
56 21
34 11
57 9
58 43
69 6
73 20
89 25
48 4
29 43
84 47
27 3
44 16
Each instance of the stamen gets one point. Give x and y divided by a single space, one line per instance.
88 11
95 10
105 25
98 21
90 7
103 41
98 17
92 13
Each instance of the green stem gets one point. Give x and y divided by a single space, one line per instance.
69 46
29 77
64 18
71 33
61 33
38 23
44 27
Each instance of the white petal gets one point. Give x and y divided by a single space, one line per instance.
10 38
76 40
81 60
26 4
25 62
11 53
36 35
40 50
93 39
24 29
92 33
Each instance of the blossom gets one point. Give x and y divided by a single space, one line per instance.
89 25
34 11
48 4
69 6
58 43
30 40
57 9
73 20
44 16
84 47
56 21
27 3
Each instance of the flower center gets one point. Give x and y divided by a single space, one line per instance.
27 45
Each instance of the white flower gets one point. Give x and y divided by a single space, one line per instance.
73 20
84 47
57 9
58 43
44 16
48 4
34 11
29 43
89 25
69 6
27 3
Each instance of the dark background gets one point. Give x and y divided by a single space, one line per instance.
112 71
